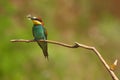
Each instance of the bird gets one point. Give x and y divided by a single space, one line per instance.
39 33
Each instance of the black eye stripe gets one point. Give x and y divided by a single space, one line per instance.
38 20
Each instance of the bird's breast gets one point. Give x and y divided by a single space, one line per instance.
38 32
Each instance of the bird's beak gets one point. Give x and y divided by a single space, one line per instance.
30 17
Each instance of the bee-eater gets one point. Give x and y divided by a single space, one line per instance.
39 33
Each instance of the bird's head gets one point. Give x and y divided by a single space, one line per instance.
36 20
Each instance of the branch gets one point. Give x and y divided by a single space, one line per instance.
76 45
48 41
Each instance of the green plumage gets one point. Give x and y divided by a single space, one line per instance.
39 33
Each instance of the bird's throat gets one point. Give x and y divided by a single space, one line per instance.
36 22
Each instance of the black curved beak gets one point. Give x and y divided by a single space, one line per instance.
30 17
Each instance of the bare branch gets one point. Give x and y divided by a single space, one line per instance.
76 45
48 41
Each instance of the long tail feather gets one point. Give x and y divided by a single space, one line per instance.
44 47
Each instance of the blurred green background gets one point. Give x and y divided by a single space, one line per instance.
91 22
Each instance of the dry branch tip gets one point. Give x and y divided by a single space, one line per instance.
114 65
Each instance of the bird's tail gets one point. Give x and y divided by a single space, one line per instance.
44 47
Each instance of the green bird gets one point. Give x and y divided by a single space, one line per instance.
39 33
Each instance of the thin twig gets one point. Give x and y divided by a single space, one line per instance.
76 45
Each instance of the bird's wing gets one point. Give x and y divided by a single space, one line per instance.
45 32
